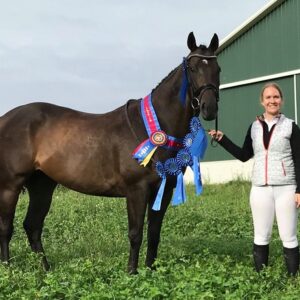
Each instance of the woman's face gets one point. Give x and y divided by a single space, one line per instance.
271 101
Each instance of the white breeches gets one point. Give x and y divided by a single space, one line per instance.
268 201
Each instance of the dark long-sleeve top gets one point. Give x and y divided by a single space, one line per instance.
245 152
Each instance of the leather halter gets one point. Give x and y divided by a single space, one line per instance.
197 93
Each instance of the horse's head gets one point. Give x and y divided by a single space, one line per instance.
203 74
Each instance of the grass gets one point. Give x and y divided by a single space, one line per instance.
205 252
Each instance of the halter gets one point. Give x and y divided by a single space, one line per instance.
197 93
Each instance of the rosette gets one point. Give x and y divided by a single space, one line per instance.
158 138
188 140
161 172
195 125
184 158
160 169
171 167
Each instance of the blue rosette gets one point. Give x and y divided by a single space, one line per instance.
195 125
159 166
184 158
171 166
160 170
188 140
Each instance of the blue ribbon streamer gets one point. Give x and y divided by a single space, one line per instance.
179 194
143 151
157 203
197 176
199 144
184 84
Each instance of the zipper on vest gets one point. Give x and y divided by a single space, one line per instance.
266 149
266 167
283 168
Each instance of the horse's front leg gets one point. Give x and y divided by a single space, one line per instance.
155 219
136 209
8 202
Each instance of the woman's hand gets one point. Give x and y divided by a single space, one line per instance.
297 200
217 135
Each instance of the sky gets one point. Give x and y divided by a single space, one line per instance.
94 55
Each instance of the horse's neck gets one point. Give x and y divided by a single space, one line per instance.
172 115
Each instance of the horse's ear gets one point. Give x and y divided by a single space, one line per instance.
214 43
191 42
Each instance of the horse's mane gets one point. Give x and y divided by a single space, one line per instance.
165 79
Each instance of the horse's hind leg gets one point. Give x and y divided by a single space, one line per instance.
40 188
8 202
155 219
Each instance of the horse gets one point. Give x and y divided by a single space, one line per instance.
43 145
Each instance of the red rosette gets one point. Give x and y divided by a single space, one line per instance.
158 138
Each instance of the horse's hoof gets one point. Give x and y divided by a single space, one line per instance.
5 263
153 265
132 271
45 264
153 268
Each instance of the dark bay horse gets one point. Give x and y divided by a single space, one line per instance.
42 145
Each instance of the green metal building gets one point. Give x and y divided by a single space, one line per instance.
264 48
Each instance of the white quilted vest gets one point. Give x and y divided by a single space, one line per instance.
273 166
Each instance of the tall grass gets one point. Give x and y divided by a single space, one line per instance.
205 252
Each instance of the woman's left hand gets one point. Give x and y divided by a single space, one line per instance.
297 200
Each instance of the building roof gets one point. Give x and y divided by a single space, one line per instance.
250 22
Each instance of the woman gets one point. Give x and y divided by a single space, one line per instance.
274 142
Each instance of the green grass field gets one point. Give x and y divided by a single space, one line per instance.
205 252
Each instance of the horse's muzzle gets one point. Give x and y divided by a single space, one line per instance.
209 109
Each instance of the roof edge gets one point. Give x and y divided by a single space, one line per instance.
245 26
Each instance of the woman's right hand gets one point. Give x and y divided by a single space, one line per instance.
217 135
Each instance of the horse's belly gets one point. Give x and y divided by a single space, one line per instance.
87 182
84 173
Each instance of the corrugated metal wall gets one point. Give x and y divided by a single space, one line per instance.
271 46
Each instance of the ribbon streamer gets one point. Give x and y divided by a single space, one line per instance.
148 157
199 144
184 84
179 194
157 203
197 176
146 149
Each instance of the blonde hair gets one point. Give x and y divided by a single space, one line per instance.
271 84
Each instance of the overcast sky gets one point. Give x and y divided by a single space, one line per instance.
94 55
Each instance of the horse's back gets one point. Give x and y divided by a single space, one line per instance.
35 116
83 151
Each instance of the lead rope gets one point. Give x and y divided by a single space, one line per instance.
213 141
